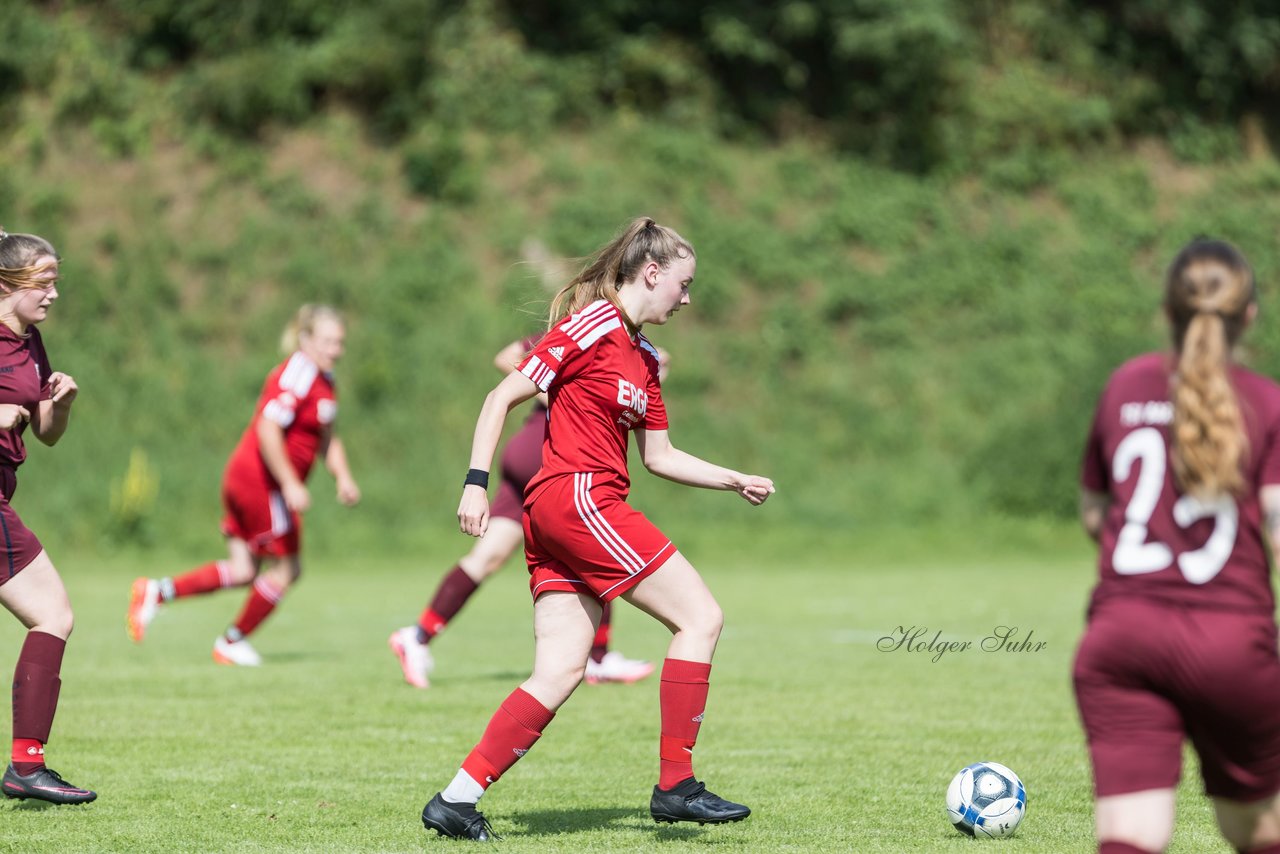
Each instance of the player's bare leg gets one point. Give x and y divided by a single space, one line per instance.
564 625
38 598
487 556
1250 826
677 596
1142 819
276 576
148 594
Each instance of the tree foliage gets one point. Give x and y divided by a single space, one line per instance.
923 85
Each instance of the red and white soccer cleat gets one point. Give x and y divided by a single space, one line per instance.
239 652
144 602
616 667
415 658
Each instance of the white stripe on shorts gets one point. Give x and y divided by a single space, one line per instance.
605 535
280 521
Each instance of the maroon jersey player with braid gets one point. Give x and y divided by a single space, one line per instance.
31 393
584 543
1181 489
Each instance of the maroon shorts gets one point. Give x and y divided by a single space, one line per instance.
586 541
260 518
1148 676
509 502
521 460
18 546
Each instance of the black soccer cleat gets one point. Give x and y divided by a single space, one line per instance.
689 800
43 785
456 821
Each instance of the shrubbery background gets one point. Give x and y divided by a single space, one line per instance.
926 230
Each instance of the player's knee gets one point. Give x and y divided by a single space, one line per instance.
707 622
59 623
239 574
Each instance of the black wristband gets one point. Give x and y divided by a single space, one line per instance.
477 477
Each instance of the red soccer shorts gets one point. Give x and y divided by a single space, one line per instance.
18 546
1147 676
586 541
260 518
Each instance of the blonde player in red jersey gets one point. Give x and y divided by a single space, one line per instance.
264 488
521 459
31 393
583 543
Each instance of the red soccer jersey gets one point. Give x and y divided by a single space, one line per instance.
601 383
24 380
301 399
1157 542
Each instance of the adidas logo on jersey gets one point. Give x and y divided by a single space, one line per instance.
556 352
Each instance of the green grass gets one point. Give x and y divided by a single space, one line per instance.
837 746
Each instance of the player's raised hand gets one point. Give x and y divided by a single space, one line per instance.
64 388
755 489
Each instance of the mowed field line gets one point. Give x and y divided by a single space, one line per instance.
839 740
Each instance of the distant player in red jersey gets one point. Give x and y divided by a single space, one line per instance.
31 392
584 544
264 488
1181 489
520 462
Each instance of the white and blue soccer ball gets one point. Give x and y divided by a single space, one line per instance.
986 800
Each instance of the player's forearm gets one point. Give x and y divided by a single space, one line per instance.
674 464
488 432
52 423
335 460
1269 498
1093 512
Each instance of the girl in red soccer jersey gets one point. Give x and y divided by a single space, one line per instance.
1181 488
584 544
520 462
264 487
30 588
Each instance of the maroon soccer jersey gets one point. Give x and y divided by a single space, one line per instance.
300 398
601 383
24 380
1157 542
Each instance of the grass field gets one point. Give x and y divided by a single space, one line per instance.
837 745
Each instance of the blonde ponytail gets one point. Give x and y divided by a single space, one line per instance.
1208 293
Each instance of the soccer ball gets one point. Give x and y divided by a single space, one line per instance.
986 800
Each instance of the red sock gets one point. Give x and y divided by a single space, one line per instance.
600 646
262 600
27 756
35 697
202 579
1121 848
512 730
454 591
682 696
